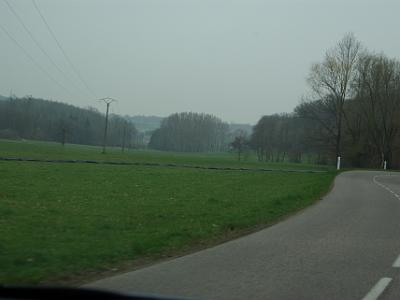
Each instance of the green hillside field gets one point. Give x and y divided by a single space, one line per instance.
73 221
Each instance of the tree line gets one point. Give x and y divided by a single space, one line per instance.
356 102
352 111
38 119
191 132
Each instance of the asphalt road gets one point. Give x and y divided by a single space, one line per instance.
347 246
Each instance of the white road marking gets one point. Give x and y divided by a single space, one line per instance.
396 263
384 186
378 289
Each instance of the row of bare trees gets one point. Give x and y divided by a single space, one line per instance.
377 97
278 138
352 111
191 132
355 101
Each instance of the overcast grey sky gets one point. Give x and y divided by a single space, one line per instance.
238 60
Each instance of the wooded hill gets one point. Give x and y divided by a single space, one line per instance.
38 119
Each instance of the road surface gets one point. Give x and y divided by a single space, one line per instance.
346 246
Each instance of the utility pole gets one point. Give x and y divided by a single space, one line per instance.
107 101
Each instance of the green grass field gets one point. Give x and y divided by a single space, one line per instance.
65 220
51 150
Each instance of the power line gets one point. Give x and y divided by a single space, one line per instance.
32 59
35 40
74 69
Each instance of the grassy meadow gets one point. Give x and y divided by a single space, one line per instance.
60 220
51 150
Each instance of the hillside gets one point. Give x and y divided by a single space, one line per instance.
39 119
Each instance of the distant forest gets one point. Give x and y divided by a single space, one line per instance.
38 119
148 124
191 132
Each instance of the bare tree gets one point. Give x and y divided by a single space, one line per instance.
378 97
322 132
240 142
263 138
330 82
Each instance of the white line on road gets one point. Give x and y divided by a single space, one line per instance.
378 289
384 186
396 263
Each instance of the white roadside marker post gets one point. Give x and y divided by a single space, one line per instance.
384 165
338 163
